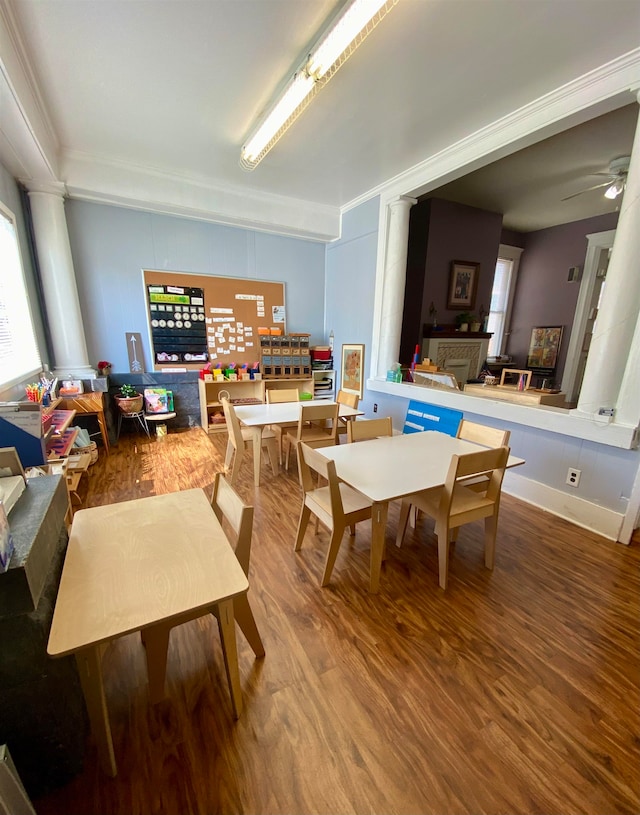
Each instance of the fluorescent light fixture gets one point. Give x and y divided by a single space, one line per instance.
331 51
344 37
616 189
294 95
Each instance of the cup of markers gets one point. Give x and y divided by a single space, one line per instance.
35 393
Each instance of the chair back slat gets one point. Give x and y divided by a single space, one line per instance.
229 508
233 426
276 395
363 429
482 434
317 416
349 399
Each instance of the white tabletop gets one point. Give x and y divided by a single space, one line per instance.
284 412
394 466
132 564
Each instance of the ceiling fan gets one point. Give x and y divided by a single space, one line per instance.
617 179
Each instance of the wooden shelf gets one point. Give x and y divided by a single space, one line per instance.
508 393
59 446
61 421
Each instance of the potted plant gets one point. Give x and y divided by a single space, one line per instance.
463 320
129 400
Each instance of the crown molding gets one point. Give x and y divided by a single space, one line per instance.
26 124
100 180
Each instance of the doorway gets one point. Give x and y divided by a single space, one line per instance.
599 245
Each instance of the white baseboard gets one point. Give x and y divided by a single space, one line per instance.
605 522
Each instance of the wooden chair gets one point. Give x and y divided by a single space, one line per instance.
317 427
236 517
275 395
482 434
335 504
455 504
350 400
241 438
487 437
369 429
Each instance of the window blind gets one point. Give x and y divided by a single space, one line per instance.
498 307
19 354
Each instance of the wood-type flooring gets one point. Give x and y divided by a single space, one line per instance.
515 691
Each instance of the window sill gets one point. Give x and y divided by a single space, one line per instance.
550 419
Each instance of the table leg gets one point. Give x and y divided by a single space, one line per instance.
257 454
246 621
227 627
88 662
156 643
103 430
379 513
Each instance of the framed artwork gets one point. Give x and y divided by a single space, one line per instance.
352 369
544 346
463 284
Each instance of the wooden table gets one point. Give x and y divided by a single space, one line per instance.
132 566
89 403
393 467
260 416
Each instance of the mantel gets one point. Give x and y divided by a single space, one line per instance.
450 332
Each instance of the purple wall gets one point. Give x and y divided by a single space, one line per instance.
543 295
440 232
459 232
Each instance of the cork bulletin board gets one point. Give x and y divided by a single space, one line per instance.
197 319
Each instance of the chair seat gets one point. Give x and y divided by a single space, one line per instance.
352 501
465 501
247 433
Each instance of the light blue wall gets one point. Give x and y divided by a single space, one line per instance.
112 245
350 284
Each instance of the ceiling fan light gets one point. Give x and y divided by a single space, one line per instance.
614 190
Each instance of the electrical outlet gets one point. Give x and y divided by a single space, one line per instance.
375 408
573 476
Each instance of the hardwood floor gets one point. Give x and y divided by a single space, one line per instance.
515 691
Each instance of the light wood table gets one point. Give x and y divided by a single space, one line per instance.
133 566
260 416
93 404
393 467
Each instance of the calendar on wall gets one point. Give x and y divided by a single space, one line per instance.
177 321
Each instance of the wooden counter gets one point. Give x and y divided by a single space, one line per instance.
510 393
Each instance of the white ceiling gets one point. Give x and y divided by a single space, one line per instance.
170 88
529 186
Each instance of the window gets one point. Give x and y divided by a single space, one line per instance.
504 283
19 354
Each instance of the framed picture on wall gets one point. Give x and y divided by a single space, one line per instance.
352 369
463 284
544 346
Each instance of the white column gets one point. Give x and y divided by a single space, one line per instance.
58 282
395 273
628 406
602 386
